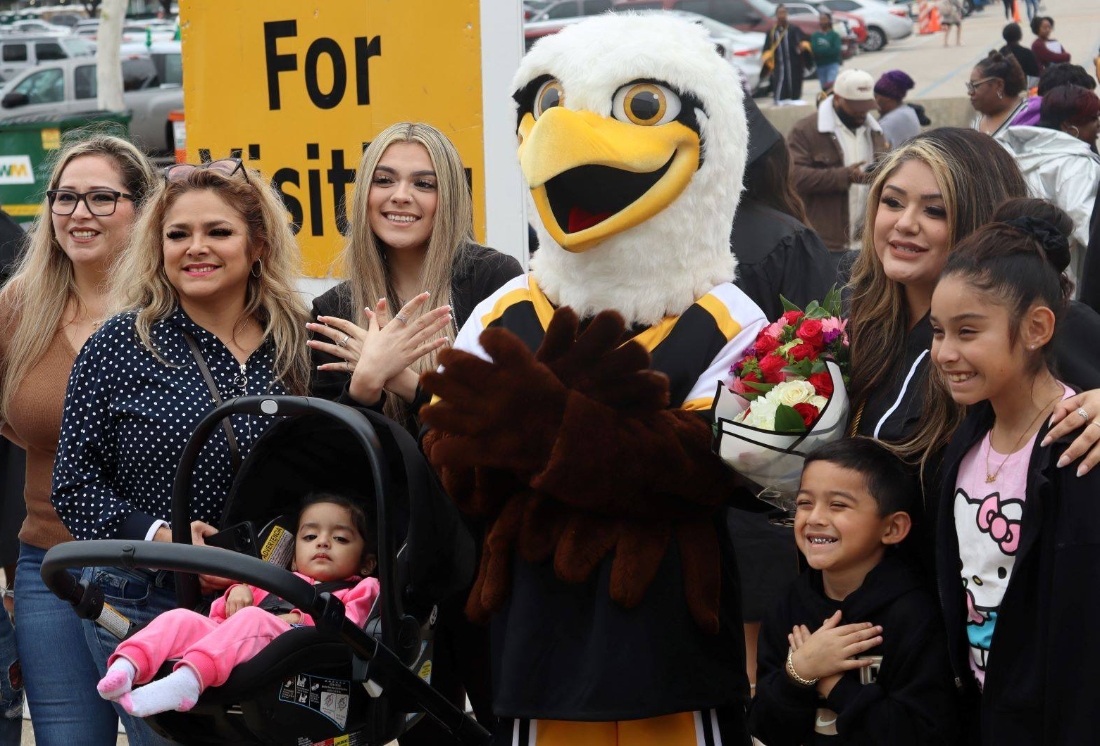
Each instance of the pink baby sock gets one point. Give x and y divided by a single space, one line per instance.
118 681
177 691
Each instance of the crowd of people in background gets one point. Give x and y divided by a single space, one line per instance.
138 299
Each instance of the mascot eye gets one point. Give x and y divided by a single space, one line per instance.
647 104
550 94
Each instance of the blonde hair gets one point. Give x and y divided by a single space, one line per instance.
141 283
43 283
364 258
974 175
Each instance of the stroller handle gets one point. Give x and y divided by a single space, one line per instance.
398 629
158 555
212 560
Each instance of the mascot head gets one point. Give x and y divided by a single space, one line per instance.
632 140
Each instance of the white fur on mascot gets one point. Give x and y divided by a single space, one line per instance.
572 413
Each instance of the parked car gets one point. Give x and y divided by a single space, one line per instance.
754 15
67 87
19 53
559 9
884 22
36 27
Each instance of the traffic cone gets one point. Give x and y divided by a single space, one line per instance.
1016 10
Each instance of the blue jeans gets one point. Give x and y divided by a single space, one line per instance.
11 686
138 595
826 74
59 672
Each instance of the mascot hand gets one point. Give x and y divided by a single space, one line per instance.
598 364
504 414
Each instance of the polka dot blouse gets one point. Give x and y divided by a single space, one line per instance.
128 417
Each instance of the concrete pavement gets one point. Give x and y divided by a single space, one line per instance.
941 73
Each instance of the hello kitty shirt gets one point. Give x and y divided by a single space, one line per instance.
988 506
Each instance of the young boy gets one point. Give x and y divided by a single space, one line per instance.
855 653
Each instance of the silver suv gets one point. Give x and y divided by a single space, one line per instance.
19 53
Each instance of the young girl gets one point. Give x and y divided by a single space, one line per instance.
332 544
1016 561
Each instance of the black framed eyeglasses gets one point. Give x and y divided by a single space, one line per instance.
100 202
228 167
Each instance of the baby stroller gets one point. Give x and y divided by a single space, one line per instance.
334 683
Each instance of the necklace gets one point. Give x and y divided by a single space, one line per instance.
991 478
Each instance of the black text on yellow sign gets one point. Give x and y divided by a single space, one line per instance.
298 92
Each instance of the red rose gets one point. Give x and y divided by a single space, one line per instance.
802 351
811 332
822 383
772 367
765 344
808 411
750 377
792 317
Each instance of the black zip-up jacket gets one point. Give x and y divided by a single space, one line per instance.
912 701
1041 684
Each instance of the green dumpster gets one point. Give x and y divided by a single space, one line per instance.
27 146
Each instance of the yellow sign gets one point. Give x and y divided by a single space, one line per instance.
298 89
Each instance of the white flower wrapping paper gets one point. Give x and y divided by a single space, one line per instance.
774 460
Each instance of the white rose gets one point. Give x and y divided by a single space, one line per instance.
792 392
762 414
819 402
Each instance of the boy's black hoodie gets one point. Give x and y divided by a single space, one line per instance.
913 699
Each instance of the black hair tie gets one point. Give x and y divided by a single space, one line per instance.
1054 243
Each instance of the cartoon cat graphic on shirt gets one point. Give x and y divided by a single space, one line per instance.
989 535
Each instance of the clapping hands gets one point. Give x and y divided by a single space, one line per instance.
378 357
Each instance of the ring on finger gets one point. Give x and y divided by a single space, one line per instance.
343 342
1083 414
402 318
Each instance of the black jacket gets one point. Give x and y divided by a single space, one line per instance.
479 272
1089 281
12 239
898 404
913 699
1040 682
777 254
1028 62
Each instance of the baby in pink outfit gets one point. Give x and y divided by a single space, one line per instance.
332 544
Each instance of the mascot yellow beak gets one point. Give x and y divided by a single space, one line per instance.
593 177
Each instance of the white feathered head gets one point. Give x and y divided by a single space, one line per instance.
632 141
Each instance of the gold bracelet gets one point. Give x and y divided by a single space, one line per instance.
794 674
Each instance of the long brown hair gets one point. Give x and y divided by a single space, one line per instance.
43 283
974 175
271 298
364 257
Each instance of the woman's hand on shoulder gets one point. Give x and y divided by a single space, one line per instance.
1077 412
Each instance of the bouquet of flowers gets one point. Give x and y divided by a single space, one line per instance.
785 397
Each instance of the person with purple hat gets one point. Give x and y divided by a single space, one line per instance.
898 120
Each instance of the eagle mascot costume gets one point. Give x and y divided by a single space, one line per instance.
572 414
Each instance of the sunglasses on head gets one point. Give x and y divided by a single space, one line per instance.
225 166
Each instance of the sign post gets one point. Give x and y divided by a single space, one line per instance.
298 90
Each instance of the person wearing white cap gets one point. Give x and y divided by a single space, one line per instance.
830 152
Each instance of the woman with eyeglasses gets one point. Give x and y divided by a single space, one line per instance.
208 288
994 88
410 247
57 297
